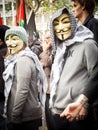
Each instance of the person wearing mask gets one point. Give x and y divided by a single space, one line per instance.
3 51
73 68
25 83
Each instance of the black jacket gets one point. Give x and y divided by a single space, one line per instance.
1 79
92 24
2 53
92 92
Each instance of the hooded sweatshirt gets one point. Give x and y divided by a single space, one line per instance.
74 62
23 84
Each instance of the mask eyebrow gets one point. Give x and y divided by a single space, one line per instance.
65 18
56 21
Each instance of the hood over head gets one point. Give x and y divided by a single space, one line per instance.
57 14
79 32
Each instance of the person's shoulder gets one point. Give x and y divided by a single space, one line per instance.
93 20
90 44
25 60
90 41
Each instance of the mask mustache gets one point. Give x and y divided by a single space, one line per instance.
62 31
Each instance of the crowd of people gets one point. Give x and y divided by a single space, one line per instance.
58 77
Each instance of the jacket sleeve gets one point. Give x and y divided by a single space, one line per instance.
91 56
91 91
93 26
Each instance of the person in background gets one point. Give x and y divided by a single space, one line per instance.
46 61
84 12
35 44
3 51
25 83
74 66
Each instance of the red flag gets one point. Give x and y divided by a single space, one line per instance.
1 21
21 16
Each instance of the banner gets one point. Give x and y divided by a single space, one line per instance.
1 21
21 16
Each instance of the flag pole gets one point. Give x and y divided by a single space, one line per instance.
17 4
13 13
4 17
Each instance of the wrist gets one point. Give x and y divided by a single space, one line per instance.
82 99
86 105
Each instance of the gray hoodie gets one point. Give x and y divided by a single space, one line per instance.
25 84
70 73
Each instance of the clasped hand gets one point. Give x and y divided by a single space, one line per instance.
74 111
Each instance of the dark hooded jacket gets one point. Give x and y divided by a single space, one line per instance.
3 49
92 24
1 78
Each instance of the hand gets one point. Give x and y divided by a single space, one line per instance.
82 114
47 43
76 110
71 111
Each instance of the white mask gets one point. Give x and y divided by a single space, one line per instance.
14 44
62 27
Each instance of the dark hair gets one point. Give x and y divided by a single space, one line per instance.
3 46
89 5
3 29
65 11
